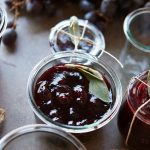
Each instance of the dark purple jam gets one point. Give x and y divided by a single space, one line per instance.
140 134
62 94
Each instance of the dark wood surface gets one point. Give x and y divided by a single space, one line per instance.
15 65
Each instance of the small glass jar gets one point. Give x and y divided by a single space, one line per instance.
39 137
61 42
78 57
135 55
3 20
135 96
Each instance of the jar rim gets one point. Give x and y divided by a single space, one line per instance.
39 128
68 128
100 40
3 23
126 27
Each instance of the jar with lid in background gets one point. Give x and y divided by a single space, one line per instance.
136 134
135 55
60 41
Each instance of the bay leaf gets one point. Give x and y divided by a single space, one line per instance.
148 82
97 85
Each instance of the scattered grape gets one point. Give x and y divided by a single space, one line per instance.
86 5
109 7
9 37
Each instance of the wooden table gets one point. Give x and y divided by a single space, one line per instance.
32 45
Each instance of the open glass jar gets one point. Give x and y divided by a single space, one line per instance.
3 20
39 137
60 41
137 134
78 58
136 52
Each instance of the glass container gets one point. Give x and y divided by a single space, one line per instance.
99 64
135 55
135 96
39 137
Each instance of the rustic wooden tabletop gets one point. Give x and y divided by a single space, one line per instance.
31 46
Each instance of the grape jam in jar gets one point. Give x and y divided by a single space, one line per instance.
63 95
136 95
74 91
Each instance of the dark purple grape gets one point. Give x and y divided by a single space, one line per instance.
10 24
86 5
147 4
95 18
34 7
50 9
125 5
109 7
9 37
139 3
8 3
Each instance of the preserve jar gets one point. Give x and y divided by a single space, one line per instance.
3 20
135 55
78 58
60 41
136 132
39 137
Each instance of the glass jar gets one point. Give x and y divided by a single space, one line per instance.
39 137
135 55
134 97
3 20
61 42
76 58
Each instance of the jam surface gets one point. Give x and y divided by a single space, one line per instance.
62 94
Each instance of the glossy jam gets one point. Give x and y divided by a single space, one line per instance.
140 134
62 94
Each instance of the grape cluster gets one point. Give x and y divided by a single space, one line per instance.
99 12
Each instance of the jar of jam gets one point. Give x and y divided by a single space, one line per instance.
59 41
3 20
39 137
136 132
61 93
136 51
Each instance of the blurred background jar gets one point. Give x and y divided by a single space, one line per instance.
136 133
3 20
135 55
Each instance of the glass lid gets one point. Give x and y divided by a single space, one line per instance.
39 137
